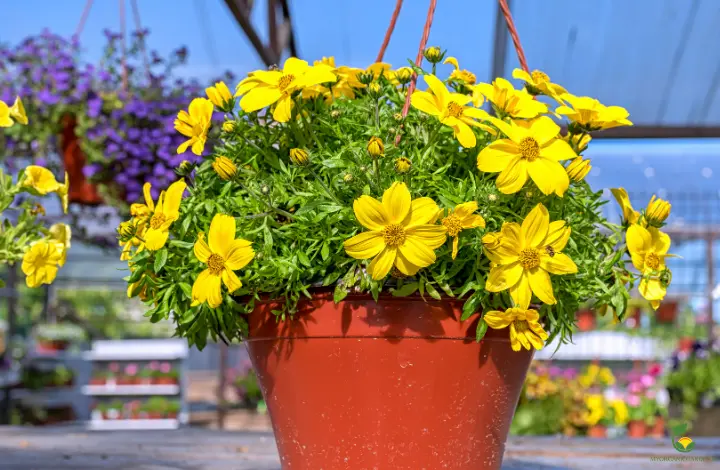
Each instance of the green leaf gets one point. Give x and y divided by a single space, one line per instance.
187 290
160 259
481 330
407 289
325 251
340 293
471 305
135 276
182 245
432 291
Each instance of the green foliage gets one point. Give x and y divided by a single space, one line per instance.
298 216
696 380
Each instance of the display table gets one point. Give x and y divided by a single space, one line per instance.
68 447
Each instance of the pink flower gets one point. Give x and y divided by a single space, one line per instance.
655 369
647 380
165 367
131 369
633 400
154 365
555 371
114 367
635 387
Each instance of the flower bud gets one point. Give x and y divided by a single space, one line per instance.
403 165
37 209
228 126
299 156
366 78
265 189
375 90
491 241
224 167
492 197
579 142
433 54
185 168
348 177
403 75
335 113
578 169
363 169
126 230
398 117
657 211
375 147
220 96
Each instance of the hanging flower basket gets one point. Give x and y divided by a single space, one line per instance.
337 374
81 190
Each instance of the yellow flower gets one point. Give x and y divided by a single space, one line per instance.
433 54
40 263
648 249
460 218
532 149
40 180
163 215
526 257
403 165
61 235
525 329
17 112
63 193
143 210
228 126
348 177
375 147
401 232
451 110
374 90
596 409
223 254
578 169
277 86
219 95
517 104
630 215
195 124
621 412
657 211
224 167
5 120
378 69
492 241
460 74
329 61
579 142
591 114
401 76
131 232
606 376
538 82
298 156
141 288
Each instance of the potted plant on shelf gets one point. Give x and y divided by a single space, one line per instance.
359 233
248 390
166 375
156 407
129 375
598 416
172 409
145 376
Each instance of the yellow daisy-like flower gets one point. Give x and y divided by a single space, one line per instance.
195 124
40 180
163 215
219 95
518 104
657 211
460 74
630 215
277 86
579 142
379 69
591 114
17 112
401 232
538 82
401 76
596 409
621 412
40 263
136 227
578 169
525 329
526 257
61 234
459 219
648 249
5 120
532 149
451 109
223 254
140 210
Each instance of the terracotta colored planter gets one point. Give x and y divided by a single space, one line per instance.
165 381
637 429
597 432
398 384
658 427
667 311
81 190
155 415
585 320
97 381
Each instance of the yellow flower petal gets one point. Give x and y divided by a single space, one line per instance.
425 102
558 150
222 234
465 135
660 243
295 66
521 293
423 210
405 266
549 176
432 236
397 201
519 337
498 320
259 98
455 247
380 266
231 281
544 130
239 254
558 235
370 213
438 88
535 227
201 248
173 198
513 177
155 239
283 109
416 252
638 239
503 277
541 285
364 245
497 156
559 263
453 61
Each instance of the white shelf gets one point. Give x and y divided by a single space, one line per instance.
132 424
141 390
138 350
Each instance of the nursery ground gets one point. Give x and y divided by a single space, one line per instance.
70 447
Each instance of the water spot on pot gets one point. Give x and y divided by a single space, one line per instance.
405 364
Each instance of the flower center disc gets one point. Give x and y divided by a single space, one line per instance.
452 224
285 81
529 149
539 76
216 264
157 221
394 235
521 326
652 261
454 109
529 258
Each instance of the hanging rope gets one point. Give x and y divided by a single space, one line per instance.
389 31
418 59
138 27
83 18
123 47
514 34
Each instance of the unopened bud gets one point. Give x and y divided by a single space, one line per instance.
299 156
375 147
433 54
403 165
348 177
224 167
657 211
578 169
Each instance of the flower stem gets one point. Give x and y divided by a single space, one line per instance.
376 169
377 114
264 201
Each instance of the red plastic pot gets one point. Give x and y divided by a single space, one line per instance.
398 384
597 432
637 429
81 190
658 427
585 320
667 311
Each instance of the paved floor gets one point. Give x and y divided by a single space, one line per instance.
65 448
